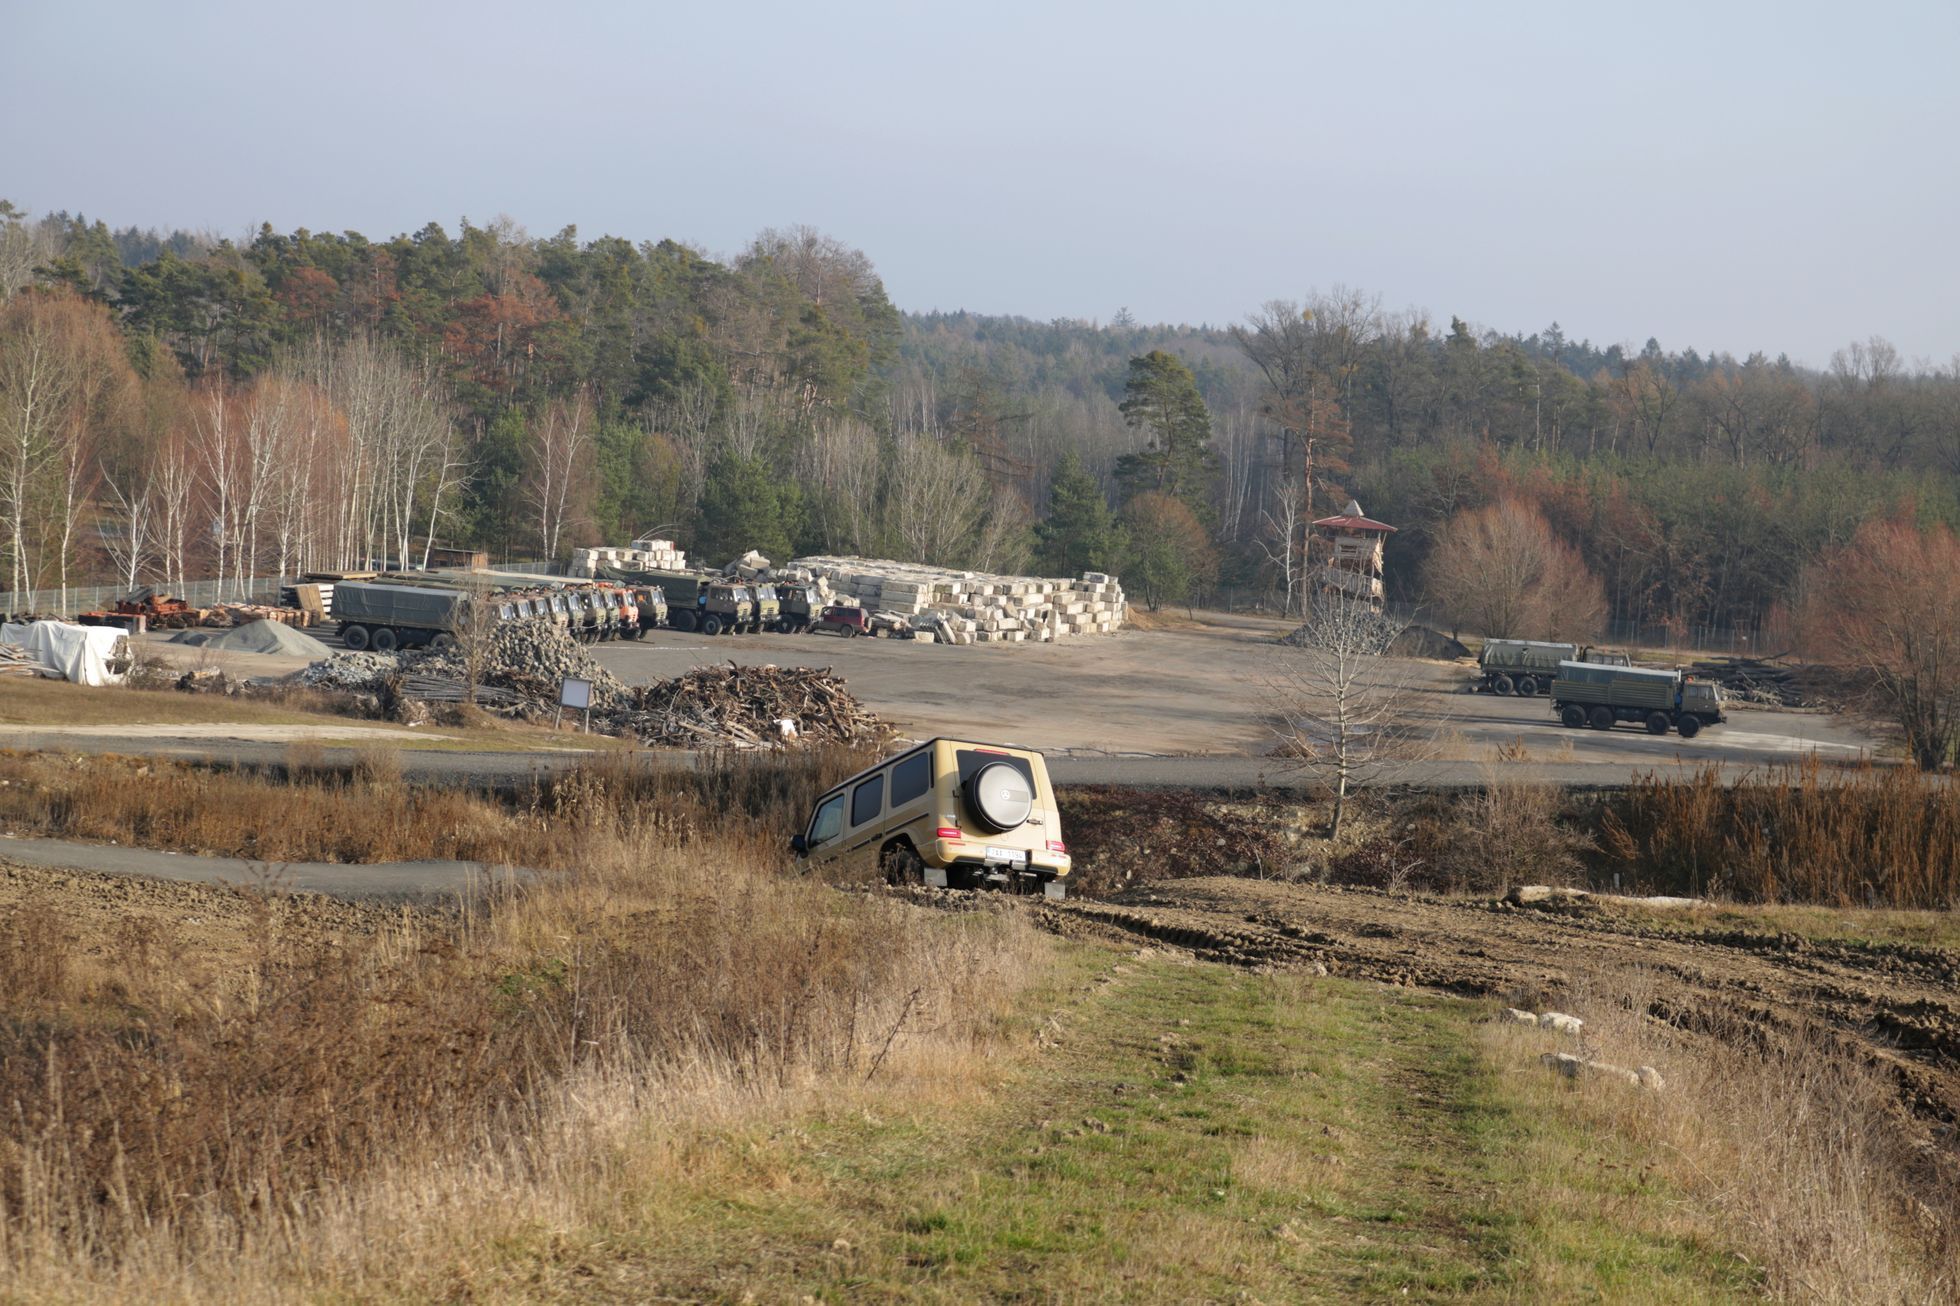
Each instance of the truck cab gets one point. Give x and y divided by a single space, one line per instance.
768 608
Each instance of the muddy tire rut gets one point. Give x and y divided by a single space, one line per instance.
1896 1006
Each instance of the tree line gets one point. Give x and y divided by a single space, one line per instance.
180 405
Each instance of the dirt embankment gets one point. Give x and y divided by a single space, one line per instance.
1894 1005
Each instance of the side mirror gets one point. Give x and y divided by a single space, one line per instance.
798 844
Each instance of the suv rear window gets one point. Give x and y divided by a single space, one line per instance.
868 799
911 778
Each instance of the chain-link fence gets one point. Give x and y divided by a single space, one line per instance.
96 598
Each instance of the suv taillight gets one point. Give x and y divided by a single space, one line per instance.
1057 846
948 832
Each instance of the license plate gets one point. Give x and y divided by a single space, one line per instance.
1013 856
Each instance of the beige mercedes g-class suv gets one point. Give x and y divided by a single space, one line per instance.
947 813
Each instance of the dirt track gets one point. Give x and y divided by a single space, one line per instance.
1897 1005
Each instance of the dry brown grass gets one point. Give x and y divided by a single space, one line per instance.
1874 837
367 814
1780 1141
351 1117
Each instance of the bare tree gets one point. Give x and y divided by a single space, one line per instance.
938 498
1280 538
1502 571
133 545
1886 603
560 462
1343 705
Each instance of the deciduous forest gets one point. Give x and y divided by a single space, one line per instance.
178 406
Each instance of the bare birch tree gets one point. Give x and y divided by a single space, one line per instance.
133 545
1343 706
561 451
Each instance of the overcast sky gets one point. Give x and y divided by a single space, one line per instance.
1723 175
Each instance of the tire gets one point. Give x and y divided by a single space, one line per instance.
1527 687
903 865
442 641
354 637
1504 686
1657 723
711 625
1000 797
682 621
1600 718
1688 727
1572 716
386 640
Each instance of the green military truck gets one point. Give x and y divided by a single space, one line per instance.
696 600
1588 694
386 617
1528 666
652 604
768 608
800 605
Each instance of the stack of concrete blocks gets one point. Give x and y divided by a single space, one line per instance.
965 607
643 555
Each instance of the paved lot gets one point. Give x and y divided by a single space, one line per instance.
1188 705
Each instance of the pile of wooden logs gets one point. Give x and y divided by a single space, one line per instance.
1753 680
745 707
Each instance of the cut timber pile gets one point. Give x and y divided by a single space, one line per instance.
1753 680
528 660
739 707
970 607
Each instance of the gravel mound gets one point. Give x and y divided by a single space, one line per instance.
257 637
354 671
529 658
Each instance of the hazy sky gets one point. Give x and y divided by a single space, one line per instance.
1723 175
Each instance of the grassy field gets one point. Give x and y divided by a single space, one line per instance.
1175 1132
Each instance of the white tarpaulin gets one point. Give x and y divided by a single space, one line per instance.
87 655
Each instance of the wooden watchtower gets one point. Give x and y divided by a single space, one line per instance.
1353 552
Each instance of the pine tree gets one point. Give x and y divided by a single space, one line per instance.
1080 533
1161 398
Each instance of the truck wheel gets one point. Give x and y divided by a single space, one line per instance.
681 621
1504 686
1657 723
386 640
1688 726
1572 716
354 637
1527 687
442 641
1600 718
711 625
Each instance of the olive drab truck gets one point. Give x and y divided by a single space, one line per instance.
1588 694
1527 667
386 617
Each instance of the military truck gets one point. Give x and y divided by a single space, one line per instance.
800 605
386 617
768 608
697 600
652 605
1589 694
1527 666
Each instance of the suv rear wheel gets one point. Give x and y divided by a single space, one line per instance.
902 864
1000 796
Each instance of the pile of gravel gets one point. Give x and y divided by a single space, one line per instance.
274 637
529 658
362 672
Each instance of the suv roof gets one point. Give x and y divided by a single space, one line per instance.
981 745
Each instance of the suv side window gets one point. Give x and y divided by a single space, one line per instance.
868 799
828 823
911 778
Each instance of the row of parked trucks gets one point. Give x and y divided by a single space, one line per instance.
436 608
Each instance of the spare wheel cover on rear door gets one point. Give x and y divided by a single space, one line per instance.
1000 796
